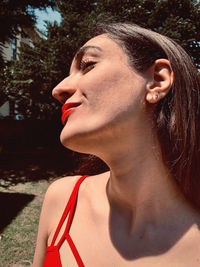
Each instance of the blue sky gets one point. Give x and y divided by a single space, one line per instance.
48 15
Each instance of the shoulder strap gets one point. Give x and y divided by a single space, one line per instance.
71 202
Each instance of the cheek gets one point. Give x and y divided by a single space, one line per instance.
112 102
114 90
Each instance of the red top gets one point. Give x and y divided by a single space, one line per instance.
52 258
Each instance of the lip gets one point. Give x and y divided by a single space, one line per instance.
67 109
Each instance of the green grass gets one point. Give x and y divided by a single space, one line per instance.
17 240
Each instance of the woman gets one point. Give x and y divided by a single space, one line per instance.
131 99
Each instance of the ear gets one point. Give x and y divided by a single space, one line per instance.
161 80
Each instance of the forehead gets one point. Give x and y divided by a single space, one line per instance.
102 40
106 45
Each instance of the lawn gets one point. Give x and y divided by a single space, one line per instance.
23 183
20 210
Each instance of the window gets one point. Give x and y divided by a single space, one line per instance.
14 49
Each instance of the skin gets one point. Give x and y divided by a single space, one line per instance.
133 215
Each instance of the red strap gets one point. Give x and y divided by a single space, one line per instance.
75 251
71 202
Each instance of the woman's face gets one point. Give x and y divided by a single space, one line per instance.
103 96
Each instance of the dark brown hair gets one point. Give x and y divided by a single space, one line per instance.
177 116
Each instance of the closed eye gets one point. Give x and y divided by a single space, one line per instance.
86 65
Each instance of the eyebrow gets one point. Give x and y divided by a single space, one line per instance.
84 49
81 51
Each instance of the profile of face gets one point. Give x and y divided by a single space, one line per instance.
103 97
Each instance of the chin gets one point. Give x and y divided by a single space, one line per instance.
78 141
83 139
89 137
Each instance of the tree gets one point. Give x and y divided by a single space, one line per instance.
16 14
178 19
41 67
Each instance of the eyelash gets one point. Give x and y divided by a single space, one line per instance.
86 65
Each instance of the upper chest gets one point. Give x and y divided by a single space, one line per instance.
100 244
93 240
98 252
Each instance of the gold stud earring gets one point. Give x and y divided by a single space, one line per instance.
156 95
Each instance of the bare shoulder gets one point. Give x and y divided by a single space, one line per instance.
62 183
58 193
95 183
60 189
54 202
65 185
92 193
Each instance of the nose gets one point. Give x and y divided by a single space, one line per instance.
64 90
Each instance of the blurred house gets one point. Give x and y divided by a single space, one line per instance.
5 110
11 49
10 52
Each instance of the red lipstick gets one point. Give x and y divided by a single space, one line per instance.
67 109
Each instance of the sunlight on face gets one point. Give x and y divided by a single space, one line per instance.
109 93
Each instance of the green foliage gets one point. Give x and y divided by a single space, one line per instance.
26 83
16 14
41 67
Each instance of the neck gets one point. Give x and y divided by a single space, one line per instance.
140 186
